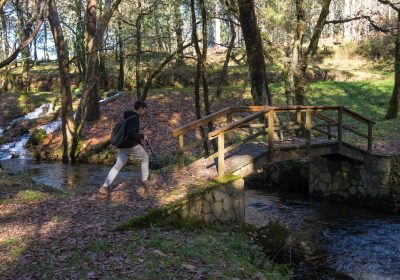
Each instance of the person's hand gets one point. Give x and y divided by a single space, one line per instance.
146 138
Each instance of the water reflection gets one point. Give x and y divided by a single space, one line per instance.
82 177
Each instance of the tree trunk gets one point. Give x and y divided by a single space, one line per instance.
179 33
67 119
138 55
46 56
6 47
300 81
80 40
6 44
393 109
24 34
121 73
35 56
295 56
224 72
204 73
91 80
255 53
195 40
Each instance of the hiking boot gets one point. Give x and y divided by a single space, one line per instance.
104 191
148 184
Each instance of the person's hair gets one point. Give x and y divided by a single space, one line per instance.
139 104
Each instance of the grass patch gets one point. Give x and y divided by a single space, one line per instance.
159 253
219 254
19 188
31 195
15 247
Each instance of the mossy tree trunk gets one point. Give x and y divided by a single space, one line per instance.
393 109
255 53
95 33
296 52
91 79
67 119
179 32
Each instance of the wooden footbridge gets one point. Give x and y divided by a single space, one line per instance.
244 139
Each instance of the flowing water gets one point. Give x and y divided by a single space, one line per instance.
70 178
17 148
361 243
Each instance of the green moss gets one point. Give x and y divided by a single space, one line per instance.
228 179
152 216
37 137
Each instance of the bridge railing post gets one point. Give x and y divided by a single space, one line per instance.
370 125
181 154
221 155
271 131
299 121
229 118
340 127
308 130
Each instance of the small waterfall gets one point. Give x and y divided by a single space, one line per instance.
40 112
17 149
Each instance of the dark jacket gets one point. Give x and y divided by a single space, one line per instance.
132 130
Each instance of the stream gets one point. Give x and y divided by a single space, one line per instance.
70 178
361 243
17 148
357 242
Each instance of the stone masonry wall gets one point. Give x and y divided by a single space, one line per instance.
375 183
223 203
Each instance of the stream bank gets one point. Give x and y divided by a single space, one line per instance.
335 241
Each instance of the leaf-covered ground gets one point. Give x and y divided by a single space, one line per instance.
50 235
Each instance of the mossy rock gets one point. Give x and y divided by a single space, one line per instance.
272 238
277 243
37 137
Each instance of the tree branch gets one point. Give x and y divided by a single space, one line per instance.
370 20
161 67
391 4
24 44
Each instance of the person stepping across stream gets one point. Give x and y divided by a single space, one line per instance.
126 137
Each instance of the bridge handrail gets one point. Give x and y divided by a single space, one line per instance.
228 127
267 115
196 124
357 116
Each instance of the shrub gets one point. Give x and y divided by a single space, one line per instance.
376 47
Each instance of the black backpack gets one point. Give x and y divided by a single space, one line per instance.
118 134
